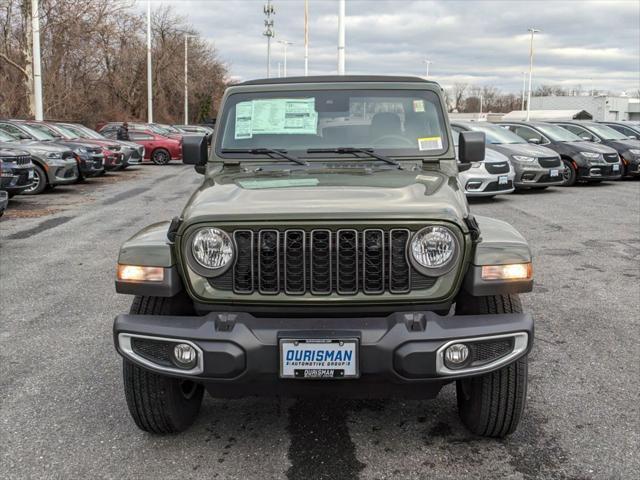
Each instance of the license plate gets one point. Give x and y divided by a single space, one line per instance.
554 173
30 175
319 358
616 168
503 180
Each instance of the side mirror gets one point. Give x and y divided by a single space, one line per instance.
195 152
587 138
471 146
535 141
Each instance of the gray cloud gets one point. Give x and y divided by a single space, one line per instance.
594 44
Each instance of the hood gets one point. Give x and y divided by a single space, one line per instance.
12 152
624 145
524 149
304 194
31 145
493 156
591 147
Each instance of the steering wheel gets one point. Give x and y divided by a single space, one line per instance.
397 138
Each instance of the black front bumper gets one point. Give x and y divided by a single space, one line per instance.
397 355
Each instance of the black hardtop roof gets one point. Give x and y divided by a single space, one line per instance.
337 79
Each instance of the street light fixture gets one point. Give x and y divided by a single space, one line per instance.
533 31
37 69
285 44
341 35
149 72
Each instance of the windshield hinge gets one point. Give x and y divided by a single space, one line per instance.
430 165
474 228
173 229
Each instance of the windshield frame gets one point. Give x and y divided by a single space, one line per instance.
355 90
37 133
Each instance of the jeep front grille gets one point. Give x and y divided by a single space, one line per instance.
321 262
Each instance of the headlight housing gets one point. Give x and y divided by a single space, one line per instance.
523 158
590 155
434 250
211 249
635 151
54 155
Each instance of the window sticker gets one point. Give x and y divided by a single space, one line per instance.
418 106
244 114
276 116
430 143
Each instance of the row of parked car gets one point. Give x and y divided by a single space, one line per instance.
525 155
35 156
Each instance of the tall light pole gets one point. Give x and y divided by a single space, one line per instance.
285 44
533 31
37 69
524 88
427 62
186 77
306 37
149 73
269 32
341 47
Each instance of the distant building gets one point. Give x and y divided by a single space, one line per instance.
520 115
601 107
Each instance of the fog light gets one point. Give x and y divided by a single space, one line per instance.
185 355
456 354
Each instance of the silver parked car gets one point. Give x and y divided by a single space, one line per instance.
493 176
535 166
53 164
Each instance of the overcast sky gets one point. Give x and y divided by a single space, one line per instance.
593 44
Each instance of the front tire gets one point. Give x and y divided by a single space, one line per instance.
160 156
158 403
491 405
39 183
569 174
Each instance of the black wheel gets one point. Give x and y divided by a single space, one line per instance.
157 403
491 405
569 174
39 183
160 156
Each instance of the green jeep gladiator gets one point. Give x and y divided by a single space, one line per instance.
330 250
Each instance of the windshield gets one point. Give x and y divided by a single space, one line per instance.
497 135
7 137
84 132
157 129
67 132
38 132
391 122
558 134
607 133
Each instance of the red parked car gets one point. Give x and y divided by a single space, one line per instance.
157 148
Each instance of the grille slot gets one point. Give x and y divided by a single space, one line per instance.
157 351
321 262
485 352
548 162
497 167
611 157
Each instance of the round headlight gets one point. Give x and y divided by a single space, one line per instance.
212 248
434 247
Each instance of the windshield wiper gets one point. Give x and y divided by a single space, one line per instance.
266 151
355 151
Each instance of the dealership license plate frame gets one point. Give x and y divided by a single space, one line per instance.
554 172
503 180
616 168
301 373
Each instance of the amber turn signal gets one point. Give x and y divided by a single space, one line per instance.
136 273
515 271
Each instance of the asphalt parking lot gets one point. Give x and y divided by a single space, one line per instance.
63 412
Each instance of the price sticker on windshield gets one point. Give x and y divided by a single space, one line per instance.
430 143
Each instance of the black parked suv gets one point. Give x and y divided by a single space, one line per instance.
628 148
583 161
535 166
16 171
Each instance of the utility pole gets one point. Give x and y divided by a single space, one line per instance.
533 31
524 88
279 69
481 104
269 32
306 38
427 62
186 77
37 68
285 44
341 48
149 72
